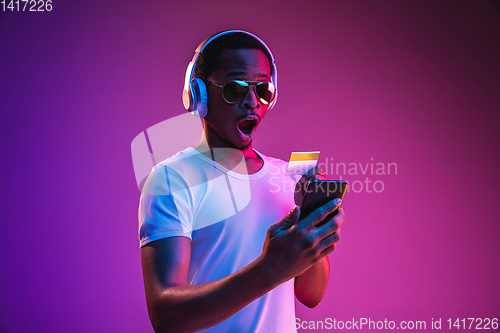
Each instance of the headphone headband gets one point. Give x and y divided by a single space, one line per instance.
194 95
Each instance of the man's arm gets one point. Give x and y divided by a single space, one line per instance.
310 286
174 306
291 248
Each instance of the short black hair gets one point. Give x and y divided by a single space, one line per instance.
209 60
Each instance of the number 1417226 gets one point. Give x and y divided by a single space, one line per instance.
474 323
27 5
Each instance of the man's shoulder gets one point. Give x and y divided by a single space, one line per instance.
183 162
172 170
183 156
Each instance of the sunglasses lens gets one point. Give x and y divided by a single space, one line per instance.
235 91
265 91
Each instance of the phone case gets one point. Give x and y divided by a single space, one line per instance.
320 192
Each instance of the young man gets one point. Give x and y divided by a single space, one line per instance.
222 250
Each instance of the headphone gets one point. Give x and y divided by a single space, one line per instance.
194 95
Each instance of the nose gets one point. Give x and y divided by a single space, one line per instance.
251 100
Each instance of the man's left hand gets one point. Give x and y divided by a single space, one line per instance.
301 186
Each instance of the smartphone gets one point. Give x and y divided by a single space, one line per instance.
318 193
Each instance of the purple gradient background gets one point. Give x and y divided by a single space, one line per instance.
410 82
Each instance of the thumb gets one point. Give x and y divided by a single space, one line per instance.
290 219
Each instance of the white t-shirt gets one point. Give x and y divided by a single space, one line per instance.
226 215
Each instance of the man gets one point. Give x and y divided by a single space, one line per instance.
221 251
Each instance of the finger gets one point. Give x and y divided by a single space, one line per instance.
331 239
310 173
327 251
313 178
331 226
313 174
340 217
290 219
319 214
329 242
328 228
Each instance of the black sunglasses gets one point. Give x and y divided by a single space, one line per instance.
234 91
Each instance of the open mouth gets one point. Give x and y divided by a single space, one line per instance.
247 126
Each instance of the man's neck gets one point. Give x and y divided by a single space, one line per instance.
230 157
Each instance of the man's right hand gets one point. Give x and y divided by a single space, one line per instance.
293 245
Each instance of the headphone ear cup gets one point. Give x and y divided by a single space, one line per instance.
199 90
187 99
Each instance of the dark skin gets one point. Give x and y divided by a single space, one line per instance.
293 248
220 124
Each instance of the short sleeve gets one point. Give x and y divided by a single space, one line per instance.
165 206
